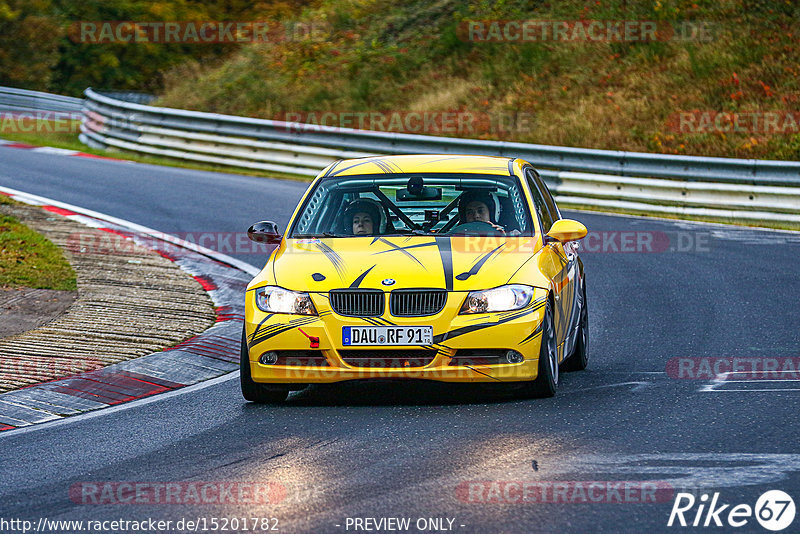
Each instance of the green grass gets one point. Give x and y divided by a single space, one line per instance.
28 259
385 56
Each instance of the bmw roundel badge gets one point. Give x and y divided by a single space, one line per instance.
388 282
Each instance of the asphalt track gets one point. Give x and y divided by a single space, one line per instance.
408 450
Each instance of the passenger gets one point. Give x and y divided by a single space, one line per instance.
362 217
479 206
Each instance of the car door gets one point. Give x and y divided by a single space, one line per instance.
558 259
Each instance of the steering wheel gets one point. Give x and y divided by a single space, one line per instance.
475 228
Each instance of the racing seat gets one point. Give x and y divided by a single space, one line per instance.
507 219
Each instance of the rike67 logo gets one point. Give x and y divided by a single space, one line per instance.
774 510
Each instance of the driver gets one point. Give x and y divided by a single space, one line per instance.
362 217
479 206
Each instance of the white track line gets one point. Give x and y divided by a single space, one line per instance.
249 269
224 258
99 412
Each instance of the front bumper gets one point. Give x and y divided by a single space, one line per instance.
517 330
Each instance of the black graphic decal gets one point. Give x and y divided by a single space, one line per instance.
404 250
447 260
472 328
357 281
334 258
478 265
276 329
258 327
532 334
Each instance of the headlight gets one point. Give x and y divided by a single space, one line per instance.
503 298
272 299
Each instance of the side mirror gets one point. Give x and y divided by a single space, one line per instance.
564 230
264 232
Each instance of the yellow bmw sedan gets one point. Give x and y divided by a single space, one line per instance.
433 267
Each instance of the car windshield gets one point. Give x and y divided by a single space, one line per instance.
414 204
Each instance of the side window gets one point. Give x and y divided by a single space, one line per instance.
541 207
548 198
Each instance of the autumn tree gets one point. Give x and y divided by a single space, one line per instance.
29 43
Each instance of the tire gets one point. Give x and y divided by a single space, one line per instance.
547 379
252 391
579 358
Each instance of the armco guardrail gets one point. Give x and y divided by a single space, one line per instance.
750 191
25 101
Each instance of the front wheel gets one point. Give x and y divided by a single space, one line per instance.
547 380
252 391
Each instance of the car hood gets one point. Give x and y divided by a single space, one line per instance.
452 263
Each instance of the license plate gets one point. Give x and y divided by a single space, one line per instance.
387 335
